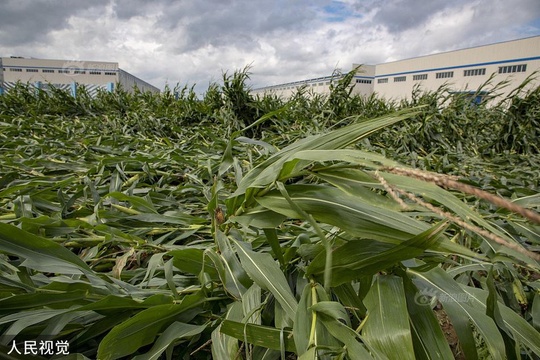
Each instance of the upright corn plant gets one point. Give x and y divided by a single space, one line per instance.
350 270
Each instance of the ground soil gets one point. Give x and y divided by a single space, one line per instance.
449 333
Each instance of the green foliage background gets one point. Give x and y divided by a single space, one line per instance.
144 226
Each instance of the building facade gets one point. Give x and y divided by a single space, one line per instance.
462 70
66 74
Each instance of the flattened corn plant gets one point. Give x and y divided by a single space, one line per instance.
152 226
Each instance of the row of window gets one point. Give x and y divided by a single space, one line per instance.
474 72
363 81
450 74
298 86
417 77
512 69
63 71
444 75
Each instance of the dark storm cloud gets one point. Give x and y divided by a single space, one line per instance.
400 15
126 9
26 21
232 23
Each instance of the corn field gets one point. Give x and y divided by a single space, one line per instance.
140 226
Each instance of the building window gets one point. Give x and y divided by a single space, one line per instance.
63 71
512 69
444 75
419 77
110 73
400 78
47 71
474 72
31 70
382 81
15 69
79 72
95 73
363 81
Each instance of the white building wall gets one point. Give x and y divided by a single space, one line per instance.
363 82
62 73
59 71
315 86
129 82
460 70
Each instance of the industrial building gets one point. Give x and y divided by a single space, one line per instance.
462 70
67 74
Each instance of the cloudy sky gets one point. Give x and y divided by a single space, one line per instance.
195 41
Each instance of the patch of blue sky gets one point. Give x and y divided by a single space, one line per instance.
338 11
532 28
535 23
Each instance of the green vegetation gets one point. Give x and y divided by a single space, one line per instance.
140 226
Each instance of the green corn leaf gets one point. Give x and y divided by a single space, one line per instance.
522 331
311 354
303 320
252 305
175 331
430 342
461 309
113 303
236 278
22 320
225 346
266 273
100 327
191 260
358 258
333 206
332 316
272 238
259 217
271 169
387 327
124 339
138 202
39 253
359 157
259 335
535 311
36 300
461 209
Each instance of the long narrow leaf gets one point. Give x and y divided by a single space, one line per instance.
175 331
459 307
39 253
387 327
142 329
259 335
365 257
267 274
